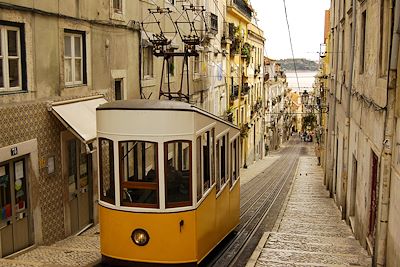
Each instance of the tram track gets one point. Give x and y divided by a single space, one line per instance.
257 198
248 198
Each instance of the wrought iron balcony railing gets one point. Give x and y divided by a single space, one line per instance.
243 7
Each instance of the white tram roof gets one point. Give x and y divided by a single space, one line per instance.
157 105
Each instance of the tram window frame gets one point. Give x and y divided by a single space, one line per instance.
206 161
178 170
224 160
138 177
212 156
234 162
217 165
198 169
105 197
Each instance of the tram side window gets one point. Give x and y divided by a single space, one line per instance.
234 162
217 169
178 173
212 155
223 160
206 160
138 174
198 168
107 185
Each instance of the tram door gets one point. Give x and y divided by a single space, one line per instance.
78 173
14 225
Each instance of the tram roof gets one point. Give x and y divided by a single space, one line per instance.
147 104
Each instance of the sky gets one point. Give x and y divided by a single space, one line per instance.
306 21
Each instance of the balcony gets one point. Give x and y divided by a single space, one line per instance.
234 93
242 7
245 90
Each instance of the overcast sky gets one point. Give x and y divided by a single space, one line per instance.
306 20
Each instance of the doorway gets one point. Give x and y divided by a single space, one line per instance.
353 193
373 205
77 172
14 202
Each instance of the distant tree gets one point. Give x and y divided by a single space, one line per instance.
309 121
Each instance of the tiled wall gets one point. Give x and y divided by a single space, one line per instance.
27 121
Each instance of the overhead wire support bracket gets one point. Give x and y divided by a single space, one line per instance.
194 18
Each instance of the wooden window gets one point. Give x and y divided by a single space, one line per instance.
106 165
363 41
178 173
117 6
342 50
196 65
10 58
171 66
118 90
384 36
138 171
74 58
148 62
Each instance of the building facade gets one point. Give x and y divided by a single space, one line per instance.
278 118
362 146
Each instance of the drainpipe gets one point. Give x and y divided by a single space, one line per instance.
386 157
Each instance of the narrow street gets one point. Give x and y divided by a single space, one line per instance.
309 230
287 219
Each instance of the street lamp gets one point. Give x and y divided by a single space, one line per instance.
304 97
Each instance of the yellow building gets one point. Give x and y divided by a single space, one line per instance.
245 45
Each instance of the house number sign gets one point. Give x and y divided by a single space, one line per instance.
14 151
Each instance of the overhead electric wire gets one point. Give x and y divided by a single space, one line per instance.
291 44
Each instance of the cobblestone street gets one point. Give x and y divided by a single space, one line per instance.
80 250
310 231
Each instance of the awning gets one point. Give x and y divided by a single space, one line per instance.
79 116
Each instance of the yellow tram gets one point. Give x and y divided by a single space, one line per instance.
168 180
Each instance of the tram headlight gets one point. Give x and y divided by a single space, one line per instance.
140 237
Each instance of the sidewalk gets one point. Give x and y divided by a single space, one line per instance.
80 250
310 231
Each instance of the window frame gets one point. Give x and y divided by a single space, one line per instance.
363 41
182 203
22 79
196 65
119 10
139 185
73 58
112 170
145 65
